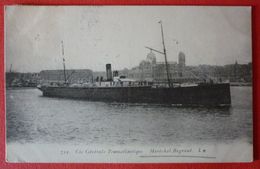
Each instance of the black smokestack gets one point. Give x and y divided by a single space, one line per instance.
109 72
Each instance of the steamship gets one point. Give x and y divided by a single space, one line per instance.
124 90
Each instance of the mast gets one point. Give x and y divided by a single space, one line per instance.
165 57
63 59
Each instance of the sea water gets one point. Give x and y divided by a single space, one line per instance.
32 118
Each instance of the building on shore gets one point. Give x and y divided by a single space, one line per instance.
160 73
72 75
181 65
232 72
145 70
151 70
18 79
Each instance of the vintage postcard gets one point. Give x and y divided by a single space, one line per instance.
131 84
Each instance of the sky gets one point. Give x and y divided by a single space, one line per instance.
96 35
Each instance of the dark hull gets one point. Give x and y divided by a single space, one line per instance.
202 95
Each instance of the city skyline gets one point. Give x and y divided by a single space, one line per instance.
94 36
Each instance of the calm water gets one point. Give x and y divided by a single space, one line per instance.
32 118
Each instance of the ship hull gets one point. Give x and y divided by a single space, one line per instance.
201 95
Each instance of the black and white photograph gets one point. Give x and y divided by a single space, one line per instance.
128 84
